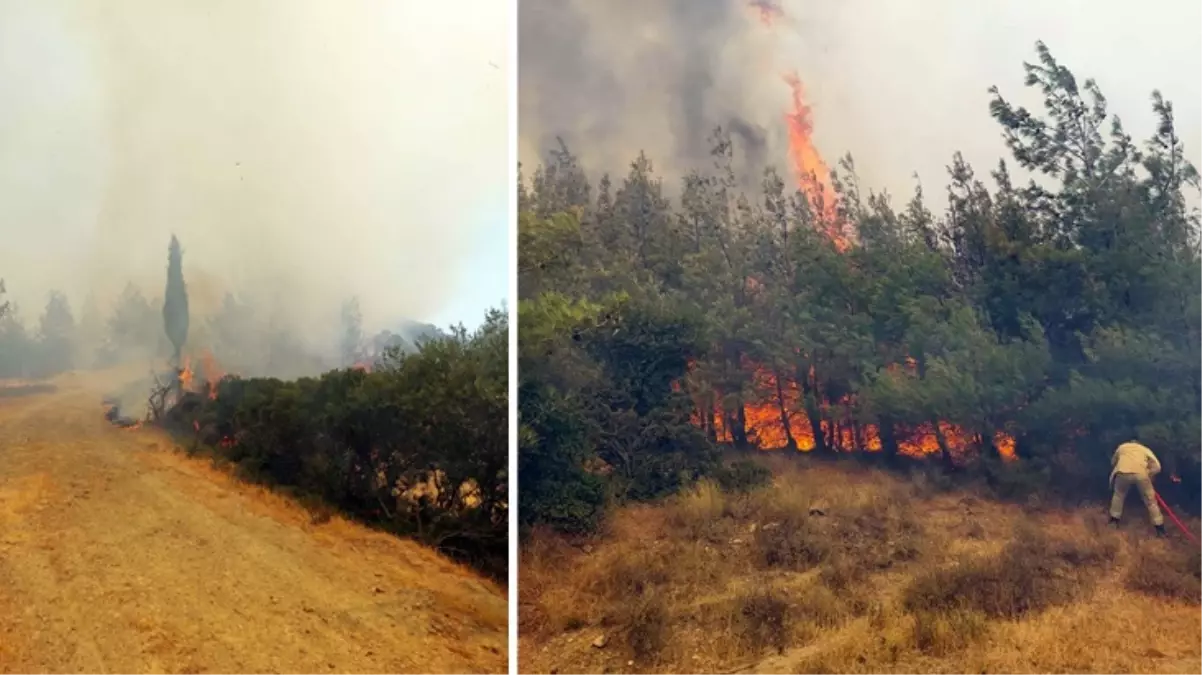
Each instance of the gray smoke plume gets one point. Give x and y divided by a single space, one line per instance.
900 85
618 77
304 152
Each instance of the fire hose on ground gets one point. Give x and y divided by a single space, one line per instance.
1176 521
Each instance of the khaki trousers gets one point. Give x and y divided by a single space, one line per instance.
1124 482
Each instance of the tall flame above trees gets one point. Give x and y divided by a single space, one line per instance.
175 302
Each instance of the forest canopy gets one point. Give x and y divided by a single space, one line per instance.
1017 334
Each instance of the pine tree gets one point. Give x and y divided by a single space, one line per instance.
57 335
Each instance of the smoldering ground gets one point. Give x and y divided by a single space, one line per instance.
303 152
898 85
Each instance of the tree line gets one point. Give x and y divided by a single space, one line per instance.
1015 336
240 335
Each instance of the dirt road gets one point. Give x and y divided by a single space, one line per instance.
119 554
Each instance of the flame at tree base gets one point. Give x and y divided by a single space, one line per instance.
763 421
210 374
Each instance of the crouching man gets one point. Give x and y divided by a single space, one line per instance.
1134 465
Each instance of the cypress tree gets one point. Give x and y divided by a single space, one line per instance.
175 302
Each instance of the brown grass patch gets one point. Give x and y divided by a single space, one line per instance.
1035 571
699 513
830 570
850 540
793 542
763 621
644 621
942 633
1169 573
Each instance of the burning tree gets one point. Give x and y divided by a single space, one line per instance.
1021 333
175 303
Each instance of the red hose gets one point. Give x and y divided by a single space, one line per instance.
1189 535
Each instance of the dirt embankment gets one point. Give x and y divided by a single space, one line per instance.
118 554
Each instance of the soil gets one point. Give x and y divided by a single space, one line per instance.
119 553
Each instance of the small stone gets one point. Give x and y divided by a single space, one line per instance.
770 526
751 528
736 541
377 589
588 548
819 508
601 641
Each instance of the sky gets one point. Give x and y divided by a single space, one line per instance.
302 151
901 85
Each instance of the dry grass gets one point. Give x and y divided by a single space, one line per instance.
1172 574
836 570
763 621
1034 571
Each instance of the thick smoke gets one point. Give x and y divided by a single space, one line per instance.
900 85
304 152
618 77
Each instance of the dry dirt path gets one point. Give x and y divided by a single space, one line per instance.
118 554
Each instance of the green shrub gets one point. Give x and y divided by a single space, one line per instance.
742 475
419 446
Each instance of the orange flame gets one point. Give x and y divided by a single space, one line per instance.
185 374
212 373
813 175
766 429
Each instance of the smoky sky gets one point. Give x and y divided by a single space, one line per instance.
303 151
898 84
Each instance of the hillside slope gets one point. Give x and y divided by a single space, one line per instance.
118 554
837 568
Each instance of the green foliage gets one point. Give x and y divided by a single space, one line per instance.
1052 320
418 446
175 300
599 414
742 475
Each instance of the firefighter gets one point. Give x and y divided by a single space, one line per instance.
1134 465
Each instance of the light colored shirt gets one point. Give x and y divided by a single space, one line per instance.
1136 458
